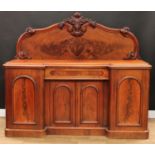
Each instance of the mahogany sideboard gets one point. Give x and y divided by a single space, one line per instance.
77 77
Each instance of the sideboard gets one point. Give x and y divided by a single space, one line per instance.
77 77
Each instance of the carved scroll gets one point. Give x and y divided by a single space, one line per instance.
125 31
132 56
30 30
22 55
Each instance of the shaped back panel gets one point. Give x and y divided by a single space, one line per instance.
77 38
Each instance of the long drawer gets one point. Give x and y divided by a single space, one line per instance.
76 73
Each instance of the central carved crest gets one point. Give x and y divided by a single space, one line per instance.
77 24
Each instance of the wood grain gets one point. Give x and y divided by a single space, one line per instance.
129 103
128 113
90 104
22 111
24 98
61 103
78 39
76 73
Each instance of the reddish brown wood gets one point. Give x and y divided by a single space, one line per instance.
97 42
24 92
77 24
76 73
127 111
129 100
90 104
22 55
61 103
22 112
78 78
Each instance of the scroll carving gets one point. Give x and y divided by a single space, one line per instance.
77 24
125 31
30 30
23 55
132 56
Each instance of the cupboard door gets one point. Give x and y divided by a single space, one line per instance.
129 99
61 103
90 103
24 98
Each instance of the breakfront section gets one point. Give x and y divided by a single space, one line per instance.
129 103
77 77
74 103
24 101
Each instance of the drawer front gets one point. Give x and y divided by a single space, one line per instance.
76 73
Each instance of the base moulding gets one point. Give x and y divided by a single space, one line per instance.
77 131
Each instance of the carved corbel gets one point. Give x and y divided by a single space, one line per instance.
125 31
132 56
30 30
22 55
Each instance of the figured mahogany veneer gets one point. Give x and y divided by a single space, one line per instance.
76 73
77 78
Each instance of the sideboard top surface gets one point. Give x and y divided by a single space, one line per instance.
77 63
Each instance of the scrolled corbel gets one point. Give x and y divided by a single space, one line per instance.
132 56
22 55
30 30
125 31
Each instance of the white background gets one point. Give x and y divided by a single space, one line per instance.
77 5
